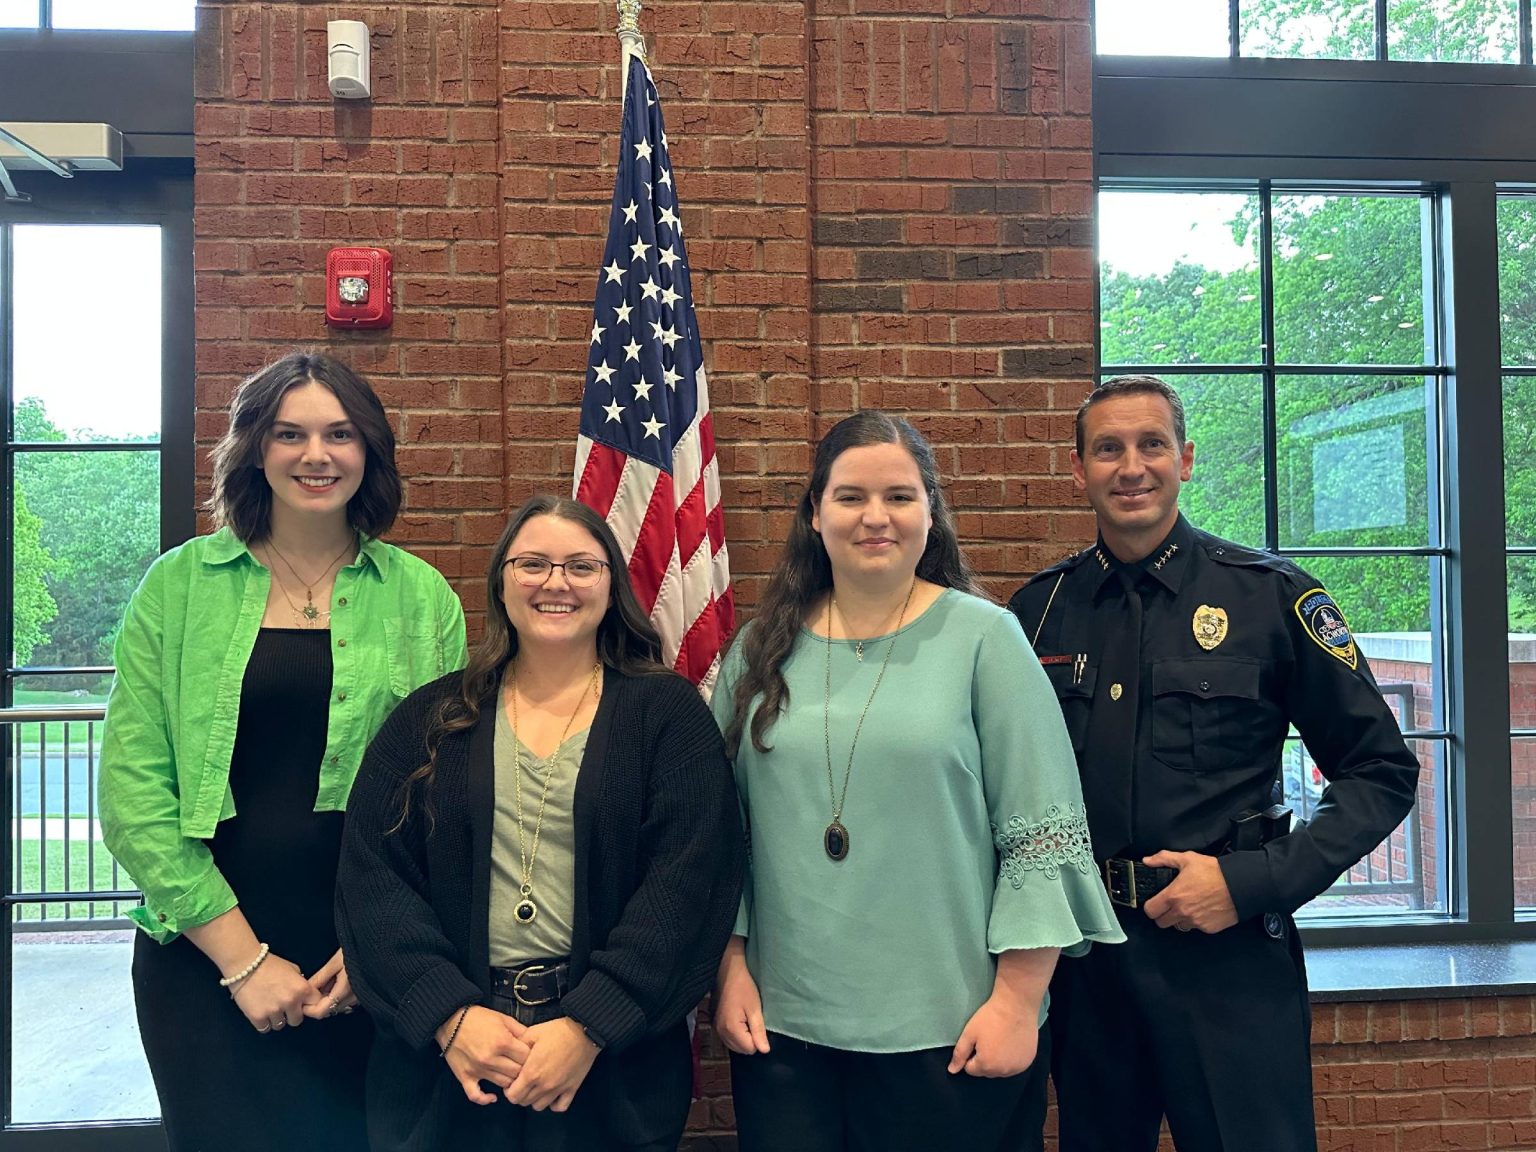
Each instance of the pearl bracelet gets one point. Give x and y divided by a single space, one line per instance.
232 982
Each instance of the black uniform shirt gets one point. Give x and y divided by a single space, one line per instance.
1179 677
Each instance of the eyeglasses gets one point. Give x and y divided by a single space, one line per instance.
535 571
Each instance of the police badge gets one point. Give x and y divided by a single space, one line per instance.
1210 626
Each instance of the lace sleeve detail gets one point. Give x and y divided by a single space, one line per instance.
1059 840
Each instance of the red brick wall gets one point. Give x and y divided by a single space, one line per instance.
284 174
1393 1076
886 203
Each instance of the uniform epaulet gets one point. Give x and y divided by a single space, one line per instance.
1063 565
1239 556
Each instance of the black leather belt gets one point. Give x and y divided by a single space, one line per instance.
1131 883
542 982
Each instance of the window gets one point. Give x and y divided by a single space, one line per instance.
1517 310
1302 326
84 476
97 461
1448 31
112 15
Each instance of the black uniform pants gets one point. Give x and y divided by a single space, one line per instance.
801 1097
1212 1031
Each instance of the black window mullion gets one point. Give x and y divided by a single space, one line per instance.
1267 335
1478 696
7 640
178 497
1381 29
1234 35
1525 31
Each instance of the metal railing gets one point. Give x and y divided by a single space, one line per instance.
60 874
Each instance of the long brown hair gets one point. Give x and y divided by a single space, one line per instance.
626 641
804 571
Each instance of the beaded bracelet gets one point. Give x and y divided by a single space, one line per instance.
232 982
454 1035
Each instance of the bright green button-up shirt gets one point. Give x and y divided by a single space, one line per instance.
175 704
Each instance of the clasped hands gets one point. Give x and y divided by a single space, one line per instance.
278 995
538 1065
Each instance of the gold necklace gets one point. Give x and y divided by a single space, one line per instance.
835 839
309 612
525 909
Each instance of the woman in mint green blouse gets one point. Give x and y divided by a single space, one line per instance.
919 851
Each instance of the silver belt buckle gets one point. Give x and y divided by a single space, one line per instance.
518 987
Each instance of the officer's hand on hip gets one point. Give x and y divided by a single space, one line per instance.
1197 898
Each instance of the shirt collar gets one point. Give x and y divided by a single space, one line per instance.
224 547
1166 563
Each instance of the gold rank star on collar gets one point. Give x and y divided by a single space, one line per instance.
1098 554
1157 565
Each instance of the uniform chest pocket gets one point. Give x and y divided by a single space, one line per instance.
415 655
1074 691
1205 713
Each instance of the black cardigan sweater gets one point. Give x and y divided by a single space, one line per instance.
659 860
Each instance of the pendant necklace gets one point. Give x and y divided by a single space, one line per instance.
835 839
525 909
309 613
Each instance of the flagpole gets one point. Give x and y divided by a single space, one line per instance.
631 41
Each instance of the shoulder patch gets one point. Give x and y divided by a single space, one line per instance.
1322 620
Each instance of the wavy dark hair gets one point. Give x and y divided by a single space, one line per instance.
804 571
242 498
626 640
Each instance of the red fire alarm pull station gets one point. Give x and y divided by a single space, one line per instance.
359 288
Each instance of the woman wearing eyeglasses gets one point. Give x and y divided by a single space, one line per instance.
540 869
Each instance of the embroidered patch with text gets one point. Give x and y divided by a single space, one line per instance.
1324 622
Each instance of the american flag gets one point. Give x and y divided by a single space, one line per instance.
645 459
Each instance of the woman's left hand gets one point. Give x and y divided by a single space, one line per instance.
1000 1039
559 1058
335 990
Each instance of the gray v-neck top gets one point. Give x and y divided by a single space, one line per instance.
548 934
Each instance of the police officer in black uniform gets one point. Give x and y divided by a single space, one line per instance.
1180 660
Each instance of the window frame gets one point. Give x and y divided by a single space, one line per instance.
45 23
1382 50
160 194
1192 123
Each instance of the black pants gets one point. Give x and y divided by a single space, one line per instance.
802 1097
1213 1031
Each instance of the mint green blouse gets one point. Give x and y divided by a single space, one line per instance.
966 828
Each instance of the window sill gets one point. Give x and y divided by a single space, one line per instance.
1343 974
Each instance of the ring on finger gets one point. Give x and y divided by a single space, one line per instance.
265 1030
278 1025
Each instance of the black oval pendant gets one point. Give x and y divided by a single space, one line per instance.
835 840
525 911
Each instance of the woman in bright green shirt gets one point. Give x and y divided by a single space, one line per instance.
919 850
253 667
